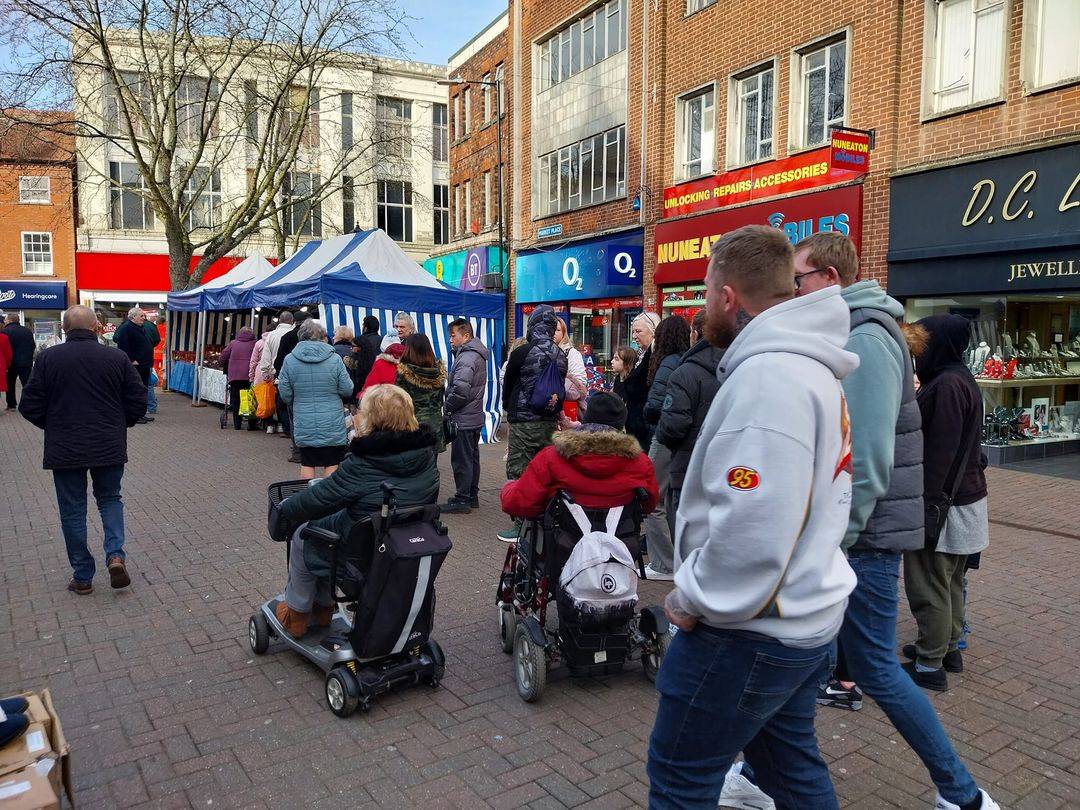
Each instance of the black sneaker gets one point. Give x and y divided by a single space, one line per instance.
474 503
952 662
936 681
833 694
456 507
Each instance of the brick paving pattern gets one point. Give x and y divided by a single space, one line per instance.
165 705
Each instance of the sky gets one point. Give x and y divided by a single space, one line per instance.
441 27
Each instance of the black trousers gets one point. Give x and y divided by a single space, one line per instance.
235 387
21 373
144 373
465 461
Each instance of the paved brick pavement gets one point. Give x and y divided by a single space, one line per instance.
165 705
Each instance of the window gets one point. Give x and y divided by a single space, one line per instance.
395 209
696 138
137 103
302 213
37 254
459 119
201 199
441 197
822 73
964 57
752 134
457 211
466 110
195 99
346 123
303 102
1051 42
251 111
34 190
584 173
128 206
501 90
697 5
489 97
489 220
393 121
468 206
581 44
348 204
440 150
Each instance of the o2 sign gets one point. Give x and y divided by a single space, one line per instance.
598 268
622 264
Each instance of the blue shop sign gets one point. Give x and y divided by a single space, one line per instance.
33 294
598 268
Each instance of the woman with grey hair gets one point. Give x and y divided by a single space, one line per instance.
312 382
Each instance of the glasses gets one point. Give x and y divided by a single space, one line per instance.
800 276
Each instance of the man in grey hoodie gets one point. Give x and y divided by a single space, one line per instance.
886 512
761 582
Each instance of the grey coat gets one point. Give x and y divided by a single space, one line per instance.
467 385
689 393
654 404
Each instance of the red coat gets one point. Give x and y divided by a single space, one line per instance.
5 360
599 470
383 371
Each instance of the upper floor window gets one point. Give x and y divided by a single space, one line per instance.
1051 42
581 44
752 100
35 189
202 199
695 138
590 171
466 110
697 5
135 92
195 101
500 90
439 148
489 97
441 204
820 102
346 122
393 121
302 214
457 211
964 59
128 206
489 220
468 206
395 209
348 204
37 255
251 110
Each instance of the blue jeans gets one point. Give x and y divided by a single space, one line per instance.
151 399
722 692
868 637
71 500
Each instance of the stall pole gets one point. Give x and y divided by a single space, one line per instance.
254 325
168 350
200 348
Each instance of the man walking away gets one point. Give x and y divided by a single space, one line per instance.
465 409
22 356
761 582
152 334
85 396
530 432
268 368
370 345
886 511
132 340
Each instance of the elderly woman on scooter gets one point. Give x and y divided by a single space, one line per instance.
390 446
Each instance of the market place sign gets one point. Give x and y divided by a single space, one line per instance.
846 158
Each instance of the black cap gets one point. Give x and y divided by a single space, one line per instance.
604 408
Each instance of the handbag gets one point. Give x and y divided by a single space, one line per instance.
265 396
936 509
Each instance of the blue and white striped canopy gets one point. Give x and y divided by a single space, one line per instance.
251 269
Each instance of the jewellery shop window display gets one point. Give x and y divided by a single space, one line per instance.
1025 355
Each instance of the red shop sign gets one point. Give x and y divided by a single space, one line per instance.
137 271
682 247
846 158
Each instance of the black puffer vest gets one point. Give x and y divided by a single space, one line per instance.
896 523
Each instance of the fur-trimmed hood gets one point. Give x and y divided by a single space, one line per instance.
392 442
572 443
389 358
422 377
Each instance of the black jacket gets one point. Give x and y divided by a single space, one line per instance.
22 345
654 404
951 405
133 341
288 342
370 344
635 392
690 391
85 396
528 362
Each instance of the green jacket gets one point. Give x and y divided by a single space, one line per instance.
426 387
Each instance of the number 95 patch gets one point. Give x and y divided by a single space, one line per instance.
743 479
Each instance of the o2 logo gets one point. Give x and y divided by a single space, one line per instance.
624 265
621 270
571 273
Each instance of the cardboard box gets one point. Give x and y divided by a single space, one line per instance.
41 710
24 750
27 790
37 713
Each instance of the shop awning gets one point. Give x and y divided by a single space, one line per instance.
251 269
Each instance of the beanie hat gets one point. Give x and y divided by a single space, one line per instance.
604 408
395 350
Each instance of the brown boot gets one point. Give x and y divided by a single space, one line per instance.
322 615
295 623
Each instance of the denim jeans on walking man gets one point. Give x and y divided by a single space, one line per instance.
71 500
151 398
465 461
868 637
726 691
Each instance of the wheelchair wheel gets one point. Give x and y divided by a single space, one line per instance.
342 691
650 662
507 627
258 633
530 666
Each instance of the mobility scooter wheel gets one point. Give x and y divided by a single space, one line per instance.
507 626
258 634
650 662
342 692
433 651
530 665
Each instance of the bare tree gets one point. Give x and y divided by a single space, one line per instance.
209 120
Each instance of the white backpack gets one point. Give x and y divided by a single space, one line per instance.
599 578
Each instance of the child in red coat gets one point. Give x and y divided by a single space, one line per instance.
597 463
385 368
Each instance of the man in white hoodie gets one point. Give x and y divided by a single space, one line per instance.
761 582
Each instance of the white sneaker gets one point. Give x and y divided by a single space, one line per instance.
658 575
987 803
740 792
270 430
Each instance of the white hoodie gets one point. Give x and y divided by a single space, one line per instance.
270 350
765 502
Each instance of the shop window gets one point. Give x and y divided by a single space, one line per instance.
440 149
302 208
441 204
393 125
35 190
1051 42
752 99
348 204
37 254
582 43
818 99
395 209
696 133
346 121
200 201
129 209
584 173
963 64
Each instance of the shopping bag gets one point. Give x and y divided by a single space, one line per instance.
265 396
248 405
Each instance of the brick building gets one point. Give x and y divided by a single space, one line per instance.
37 223
469 254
